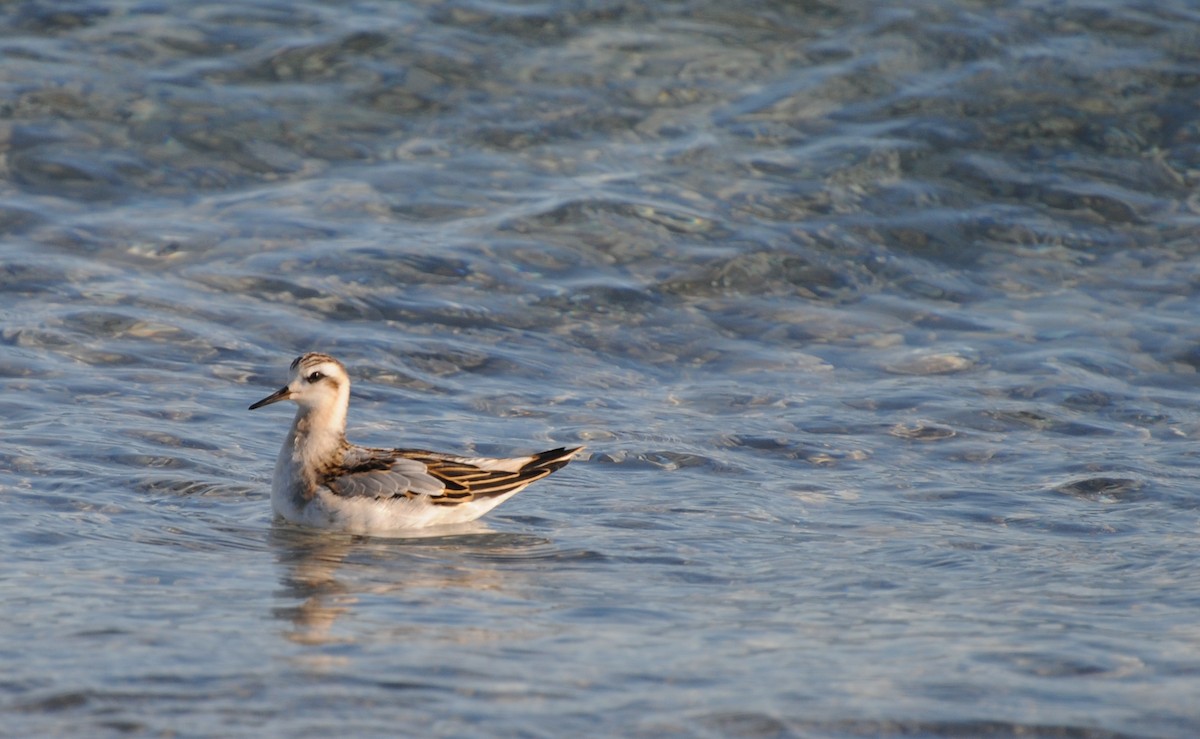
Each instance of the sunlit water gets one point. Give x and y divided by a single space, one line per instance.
880 325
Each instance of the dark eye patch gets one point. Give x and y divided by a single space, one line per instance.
315 377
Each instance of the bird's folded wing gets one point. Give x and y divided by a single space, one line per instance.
377 477
469 478
446 479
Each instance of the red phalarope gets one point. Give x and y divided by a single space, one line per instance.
322 480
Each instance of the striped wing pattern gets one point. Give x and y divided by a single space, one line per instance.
447 480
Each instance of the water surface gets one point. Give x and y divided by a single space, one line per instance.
878 323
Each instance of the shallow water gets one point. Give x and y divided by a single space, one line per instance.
879 325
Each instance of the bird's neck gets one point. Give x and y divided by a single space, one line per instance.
318 436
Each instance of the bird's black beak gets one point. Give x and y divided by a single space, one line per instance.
282 393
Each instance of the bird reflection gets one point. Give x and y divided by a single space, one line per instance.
328 573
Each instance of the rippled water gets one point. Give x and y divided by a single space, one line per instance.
880 325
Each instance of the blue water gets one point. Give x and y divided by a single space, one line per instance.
879 325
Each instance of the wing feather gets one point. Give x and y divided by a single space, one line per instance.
446 479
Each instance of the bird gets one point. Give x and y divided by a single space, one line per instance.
323 481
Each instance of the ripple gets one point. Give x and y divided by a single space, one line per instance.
922 432
930 363
1103 489
758 274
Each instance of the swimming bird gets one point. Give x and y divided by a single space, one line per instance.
322 480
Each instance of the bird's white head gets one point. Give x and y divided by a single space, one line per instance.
319 383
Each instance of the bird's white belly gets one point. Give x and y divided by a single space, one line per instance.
361 515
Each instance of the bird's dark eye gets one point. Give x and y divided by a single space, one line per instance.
315 377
